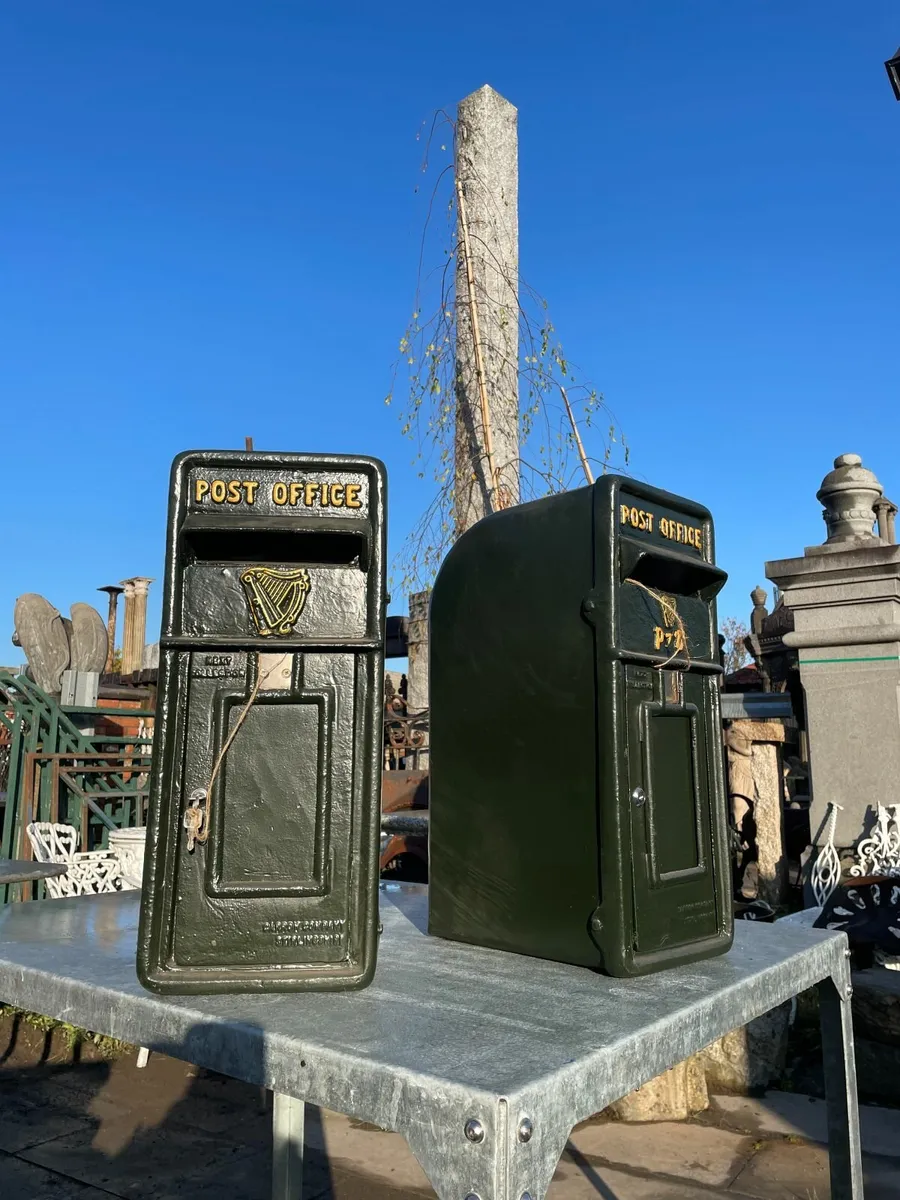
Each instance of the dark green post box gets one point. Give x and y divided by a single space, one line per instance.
263 834
577 794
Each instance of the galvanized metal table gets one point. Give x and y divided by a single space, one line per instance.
483 1061
20 870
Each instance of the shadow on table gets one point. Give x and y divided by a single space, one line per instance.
168 1130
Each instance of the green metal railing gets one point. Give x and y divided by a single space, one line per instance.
57 772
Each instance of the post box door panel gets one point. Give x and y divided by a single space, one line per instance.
670 815
281 824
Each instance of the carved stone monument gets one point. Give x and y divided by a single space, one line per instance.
845 599
42 635
58 648
89 640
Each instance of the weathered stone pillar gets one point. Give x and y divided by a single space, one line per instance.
417 699
756 781
845 597
487 310
135 631
417 653
886 515
128 627
673 1096
114 593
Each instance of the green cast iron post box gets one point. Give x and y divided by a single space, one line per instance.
577 797
263 833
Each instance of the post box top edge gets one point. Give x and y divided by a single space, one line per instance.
269 459
613 484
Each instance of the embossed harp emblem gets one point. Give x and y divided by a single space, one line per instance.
275 597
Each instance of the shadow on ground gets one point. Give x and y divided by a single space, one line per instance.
76 1125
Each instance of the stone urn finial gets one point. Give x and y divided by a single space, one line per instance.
848 494
759 614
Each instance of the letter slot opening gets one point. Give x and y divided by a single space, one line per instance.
291 544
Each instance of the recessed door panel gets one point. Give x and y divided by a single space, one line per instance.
670 818
270 829
673 791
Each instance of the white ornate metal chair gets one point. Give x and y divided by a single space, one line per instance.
89 871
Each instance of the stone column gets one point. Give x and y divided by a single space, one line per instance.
128 628
756 782
487 309
845 597
886 515
417 653
417 699
135 631
114 593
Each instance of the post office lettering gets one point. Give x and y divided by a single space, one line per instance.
637 518
222 491
284 493
674 531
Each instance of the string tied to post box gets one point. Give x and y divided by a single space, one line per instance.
674 634
196 815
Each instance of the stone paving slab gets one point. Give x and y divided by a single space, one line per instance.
587 1182
351 1145
23 1181
781 1170
697 1153
787 1113
151 1164
24 1123
785 1170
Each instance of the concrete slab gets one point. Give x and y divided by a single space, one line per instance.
23 1181
700 1153
783 1113
25 1123
149 1095
579 1179
781 1170
354 1146
355 1185
146 1165
785 1170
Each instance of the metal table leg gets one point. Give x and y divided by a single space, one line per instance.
288 1120
840 1086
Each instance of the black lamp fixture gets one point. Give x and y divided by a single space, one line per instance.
893 69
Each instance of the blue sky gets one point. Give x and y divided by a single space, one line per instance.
209 228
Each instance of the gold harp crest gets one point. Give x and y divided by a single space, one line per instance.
275 597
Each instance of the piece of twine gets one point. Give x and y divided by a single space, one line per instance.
671 616
201 834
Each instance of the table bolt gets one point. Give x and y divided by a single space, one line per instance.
474 1130
473 1196
526 1129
